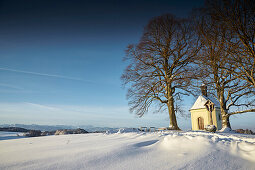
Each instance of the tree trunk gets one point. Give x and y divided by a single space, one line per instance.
173 122
225 119
224 113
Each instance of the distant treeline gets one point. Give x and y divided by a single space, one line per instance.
14 129
35 133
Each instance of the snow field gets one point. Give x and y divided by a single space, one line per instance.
133 150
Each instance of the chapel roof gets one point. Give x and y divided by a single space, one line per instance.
201 100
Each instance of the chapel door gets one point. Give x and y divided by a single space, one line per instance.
200 123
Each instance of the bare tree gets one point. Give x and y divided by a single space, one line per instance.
216 69
159 72
239 18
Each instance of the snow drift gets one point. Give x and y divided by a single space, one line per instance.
132 150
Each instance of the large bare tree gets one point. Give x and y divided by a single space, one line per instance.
216 67
159 69
239 18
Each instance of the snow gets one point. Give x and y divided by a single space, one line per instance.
126 130
226 130
11 135
201 100
131 150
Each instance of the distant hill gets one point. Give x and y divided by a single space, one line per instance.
13 129
39 127
88 128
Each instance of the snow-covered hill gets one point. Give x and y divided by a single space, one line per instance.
133 150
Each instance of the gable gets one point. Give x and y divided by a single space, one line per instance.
201 101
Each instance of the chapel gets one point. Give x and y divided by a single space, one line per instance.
205 111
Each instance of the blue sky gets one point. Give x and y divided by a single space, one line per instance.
61 61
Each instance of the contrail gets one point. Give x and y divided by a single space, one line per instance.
42 74
11 86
